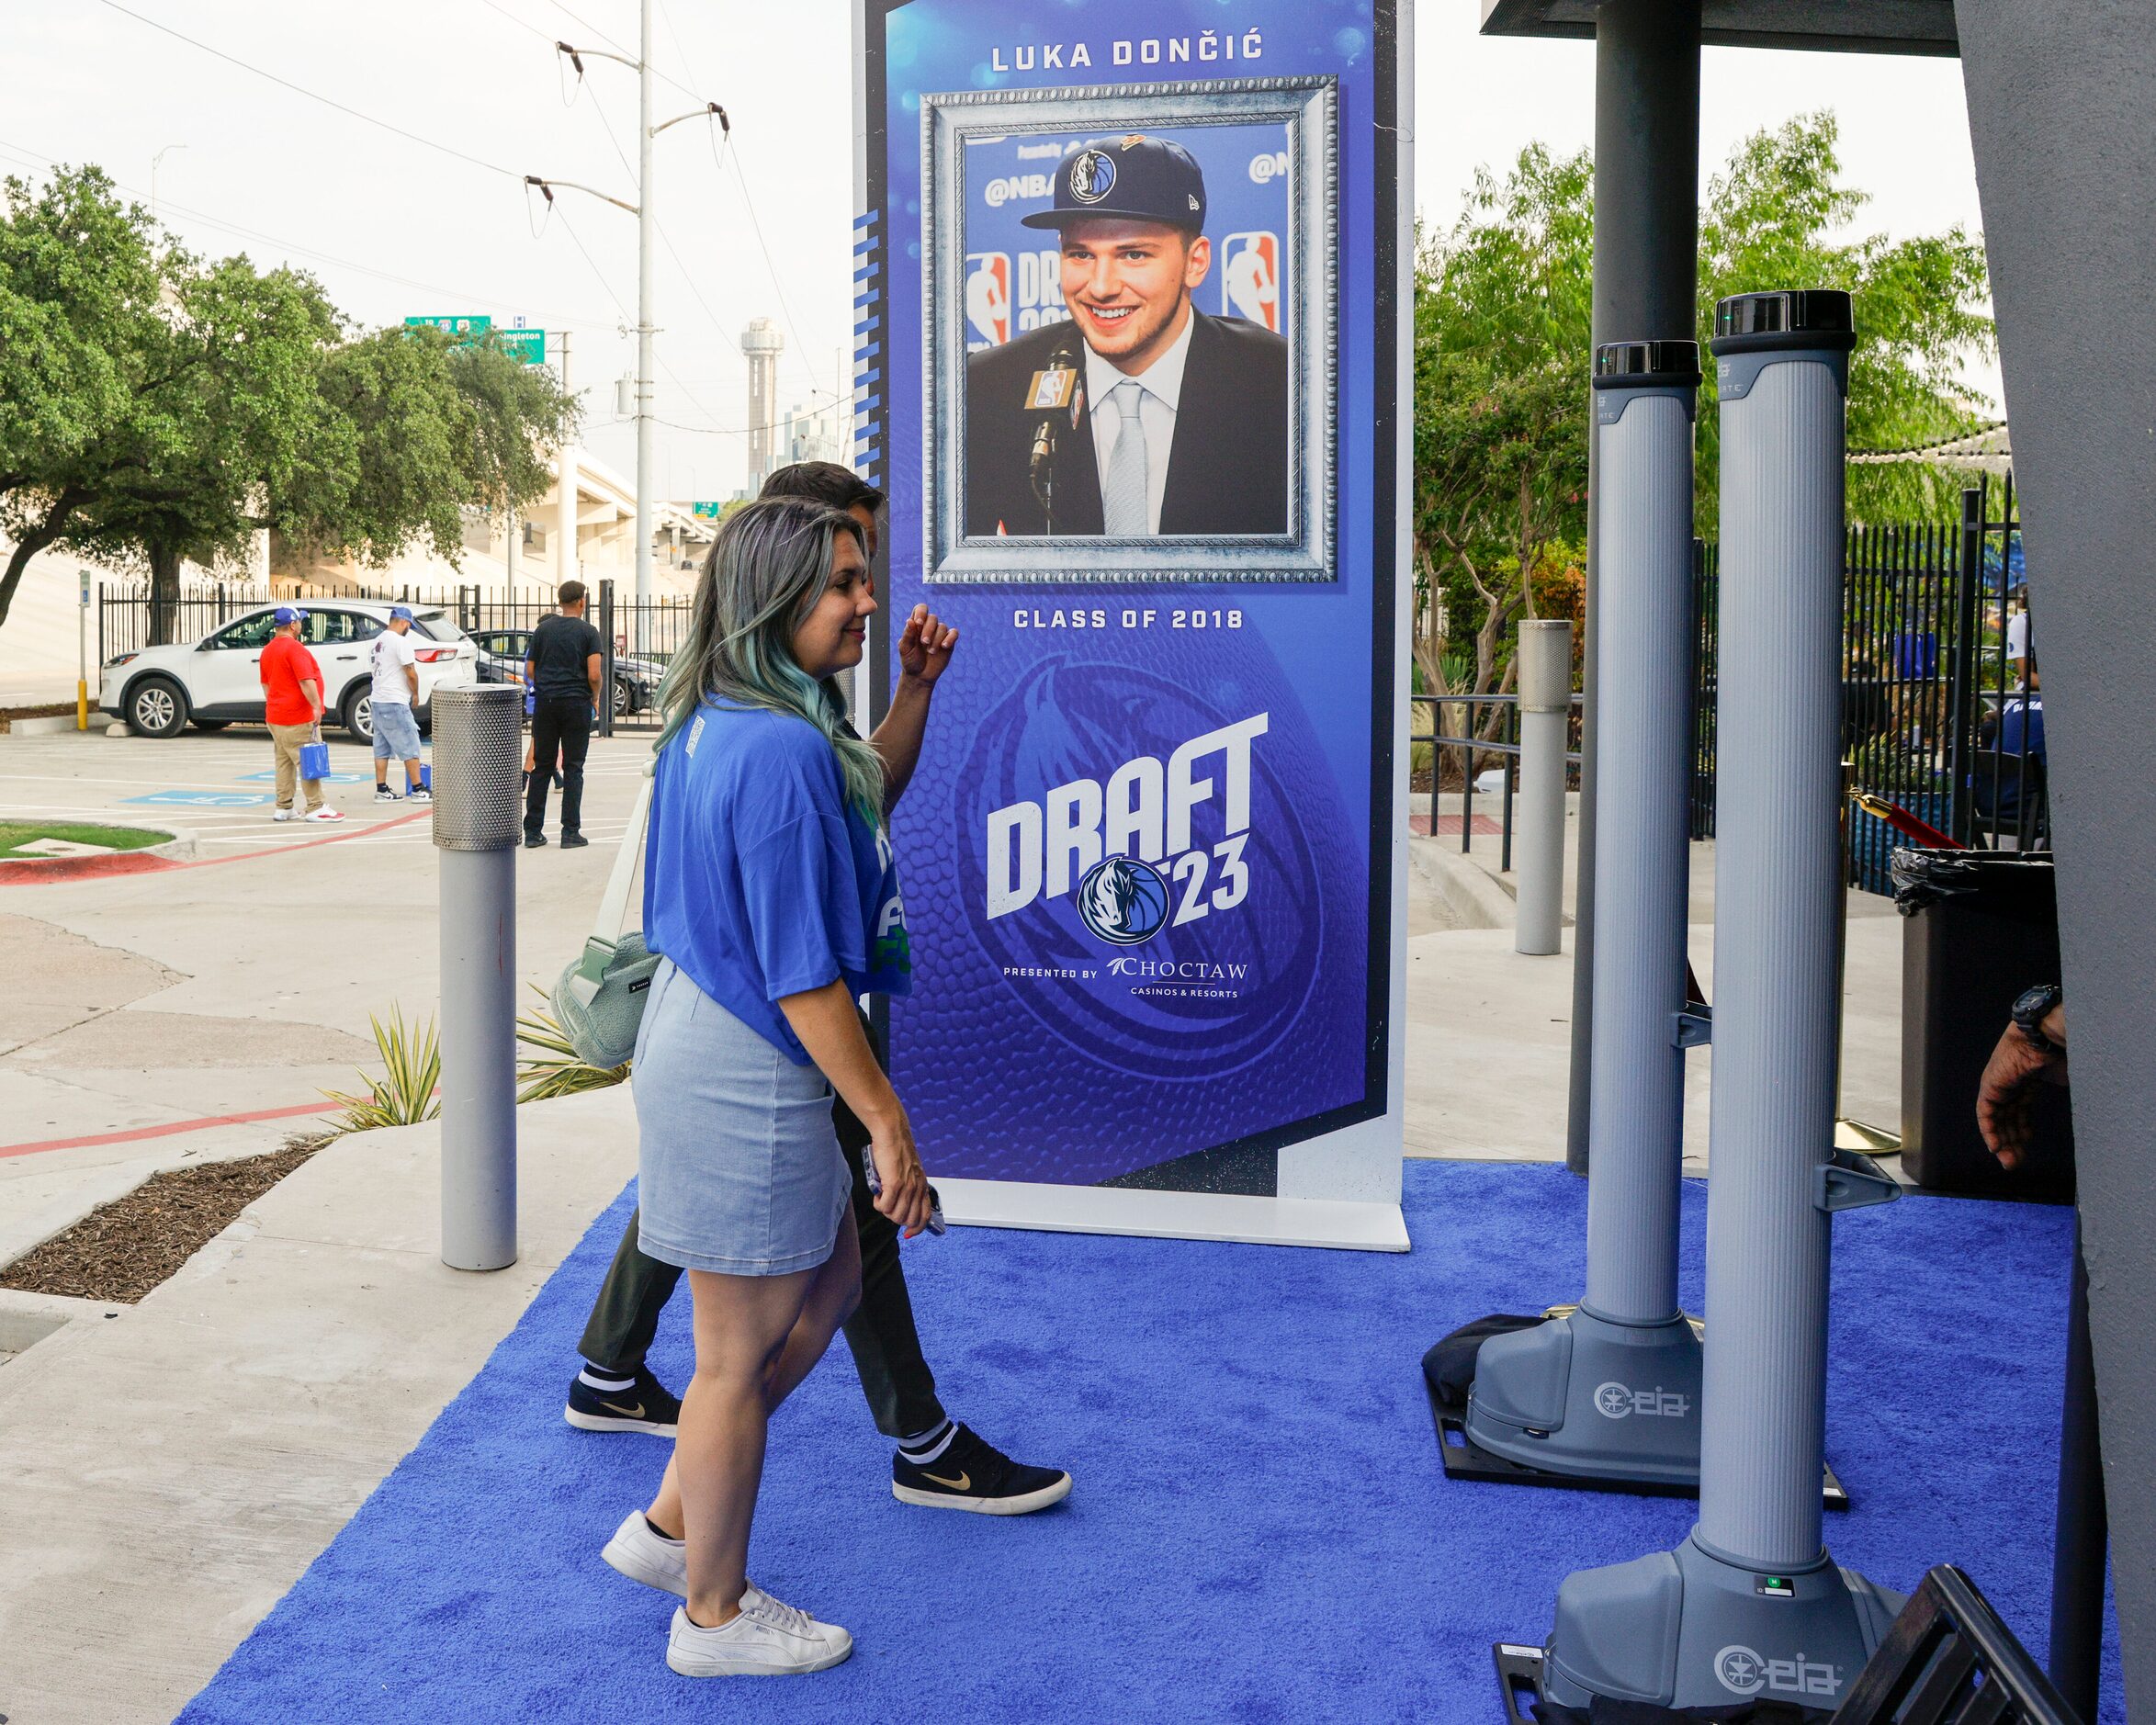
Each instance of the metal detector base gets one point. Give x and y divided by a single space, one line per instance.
1519 1668
1466 1459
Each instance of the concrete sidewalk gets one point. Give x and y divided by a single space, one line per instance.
172 1468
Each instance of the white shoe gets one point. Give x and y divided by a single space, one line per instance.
647 1557
324 813
767 1639
282 813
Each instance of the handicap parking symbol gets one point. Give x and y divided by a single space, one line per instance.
206 799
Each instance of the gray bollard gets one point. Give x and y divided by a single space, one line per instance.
477 750
1537 815
1609 1393
1750 1608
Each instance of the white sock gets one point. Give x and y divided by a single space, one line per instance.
607 1383
924 1448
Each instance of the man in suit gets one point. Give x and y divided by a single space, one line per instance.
1142 414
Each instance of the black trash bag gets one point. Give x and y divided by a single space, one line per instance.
1449 1367
1931 877
1605 1712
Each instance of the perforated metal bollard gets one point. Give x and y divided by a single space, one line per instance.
1545 711
1644 401
477 751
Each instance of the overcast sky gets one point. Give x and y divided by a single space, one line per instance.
393 227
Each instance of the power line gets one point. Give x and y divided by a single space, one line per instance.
569 228
315 95
31 158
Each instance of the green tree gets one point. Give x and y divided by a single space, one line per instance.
1771 220
159 408
1503 304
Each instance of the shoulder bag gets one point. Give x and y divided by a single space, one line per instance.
599 1000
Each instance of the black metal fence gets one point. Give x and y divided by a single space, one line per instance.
639 638
1942 715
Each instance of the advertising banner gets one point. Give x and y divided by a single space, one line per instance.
1130 294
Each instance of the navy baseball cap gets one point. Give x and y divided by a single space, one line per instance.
1130 178
290 613
399 611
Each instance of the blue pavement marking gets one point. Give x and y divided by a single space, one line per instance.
207 799
334 778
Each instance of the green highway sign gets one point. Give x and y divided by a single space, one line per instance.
526 346
454 324
708 512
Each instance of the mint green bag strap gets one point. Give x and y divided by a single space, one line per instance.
614 906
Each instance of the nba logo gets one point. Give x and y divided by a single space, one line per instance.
988 298
1251 278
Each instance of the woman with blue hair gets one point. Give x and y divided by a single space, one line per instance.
769 886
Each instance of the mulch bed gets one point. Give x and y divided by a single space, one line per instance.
121 1250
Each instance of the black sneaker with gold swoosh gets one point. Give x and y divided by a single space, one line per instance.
974 1474
645 1405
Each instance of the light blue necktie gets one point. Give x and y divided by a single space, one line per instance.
1123 497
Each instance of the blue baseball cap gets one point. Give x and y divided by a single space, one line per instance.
290 613
397 612
1131 178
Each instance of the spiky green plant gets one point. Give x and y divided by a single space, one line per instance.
555 1068
404 1094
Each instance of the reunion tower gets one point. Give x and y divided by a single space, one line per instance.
763 343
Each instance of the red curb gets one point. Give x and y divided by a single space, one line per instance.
172 1128
41 872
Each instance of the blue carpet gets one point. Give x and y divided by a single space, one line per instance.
1261 1529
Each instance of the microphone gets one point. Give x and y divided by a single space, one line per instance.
1057 386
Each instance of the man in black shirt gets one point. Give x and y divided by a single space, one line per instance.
563 666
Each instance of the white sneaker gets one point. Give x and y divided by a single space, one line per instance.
767 1639
324 813
644 1556
282 813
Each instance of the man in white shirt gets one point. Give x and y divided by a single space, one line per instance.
1142 415
396 687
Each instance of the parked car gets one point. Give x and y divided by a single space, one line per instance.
216 682
502 660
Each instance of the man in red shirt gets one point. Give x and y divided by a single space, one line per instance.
291 706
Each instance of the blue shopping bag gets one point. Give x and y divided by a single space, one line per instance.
314 761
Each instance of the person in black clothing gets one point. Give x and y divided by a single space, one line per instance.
938 1462
563 665
1141 415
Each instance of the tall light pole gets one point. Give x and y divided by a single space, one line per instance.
646 212
647 235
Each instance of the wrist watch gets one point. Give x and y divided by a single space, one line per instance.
2030 1011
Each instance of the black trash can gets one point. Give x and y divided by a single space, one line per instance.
1980 927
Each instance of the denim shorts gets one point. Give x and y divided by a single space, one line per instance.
738 1168
396 732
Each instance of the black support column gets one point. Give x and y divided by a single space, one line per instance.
1646 288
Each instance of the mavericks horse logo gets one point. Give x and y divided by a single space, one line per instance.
1123 900
1091 175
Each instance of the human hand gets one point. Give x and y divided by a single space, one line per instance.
2003 1094
924 646
901 1189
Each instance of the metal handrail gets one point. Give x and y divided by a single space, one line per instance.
1469 746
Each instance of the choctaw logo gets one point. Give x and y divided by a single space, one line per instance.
1092 174
1123 900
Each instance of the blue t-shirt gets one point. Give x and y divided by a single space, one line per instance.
759 881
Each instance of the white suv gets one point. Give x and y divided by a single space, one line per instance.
217 680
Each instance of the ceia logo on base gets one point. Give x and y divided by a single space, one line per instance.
1742 1671
1620 1401
1123 900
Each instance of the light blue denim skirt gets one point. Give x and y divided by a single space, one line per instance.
738 1168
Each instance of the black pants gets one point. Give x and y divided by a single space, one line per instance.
901 1390
566 727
